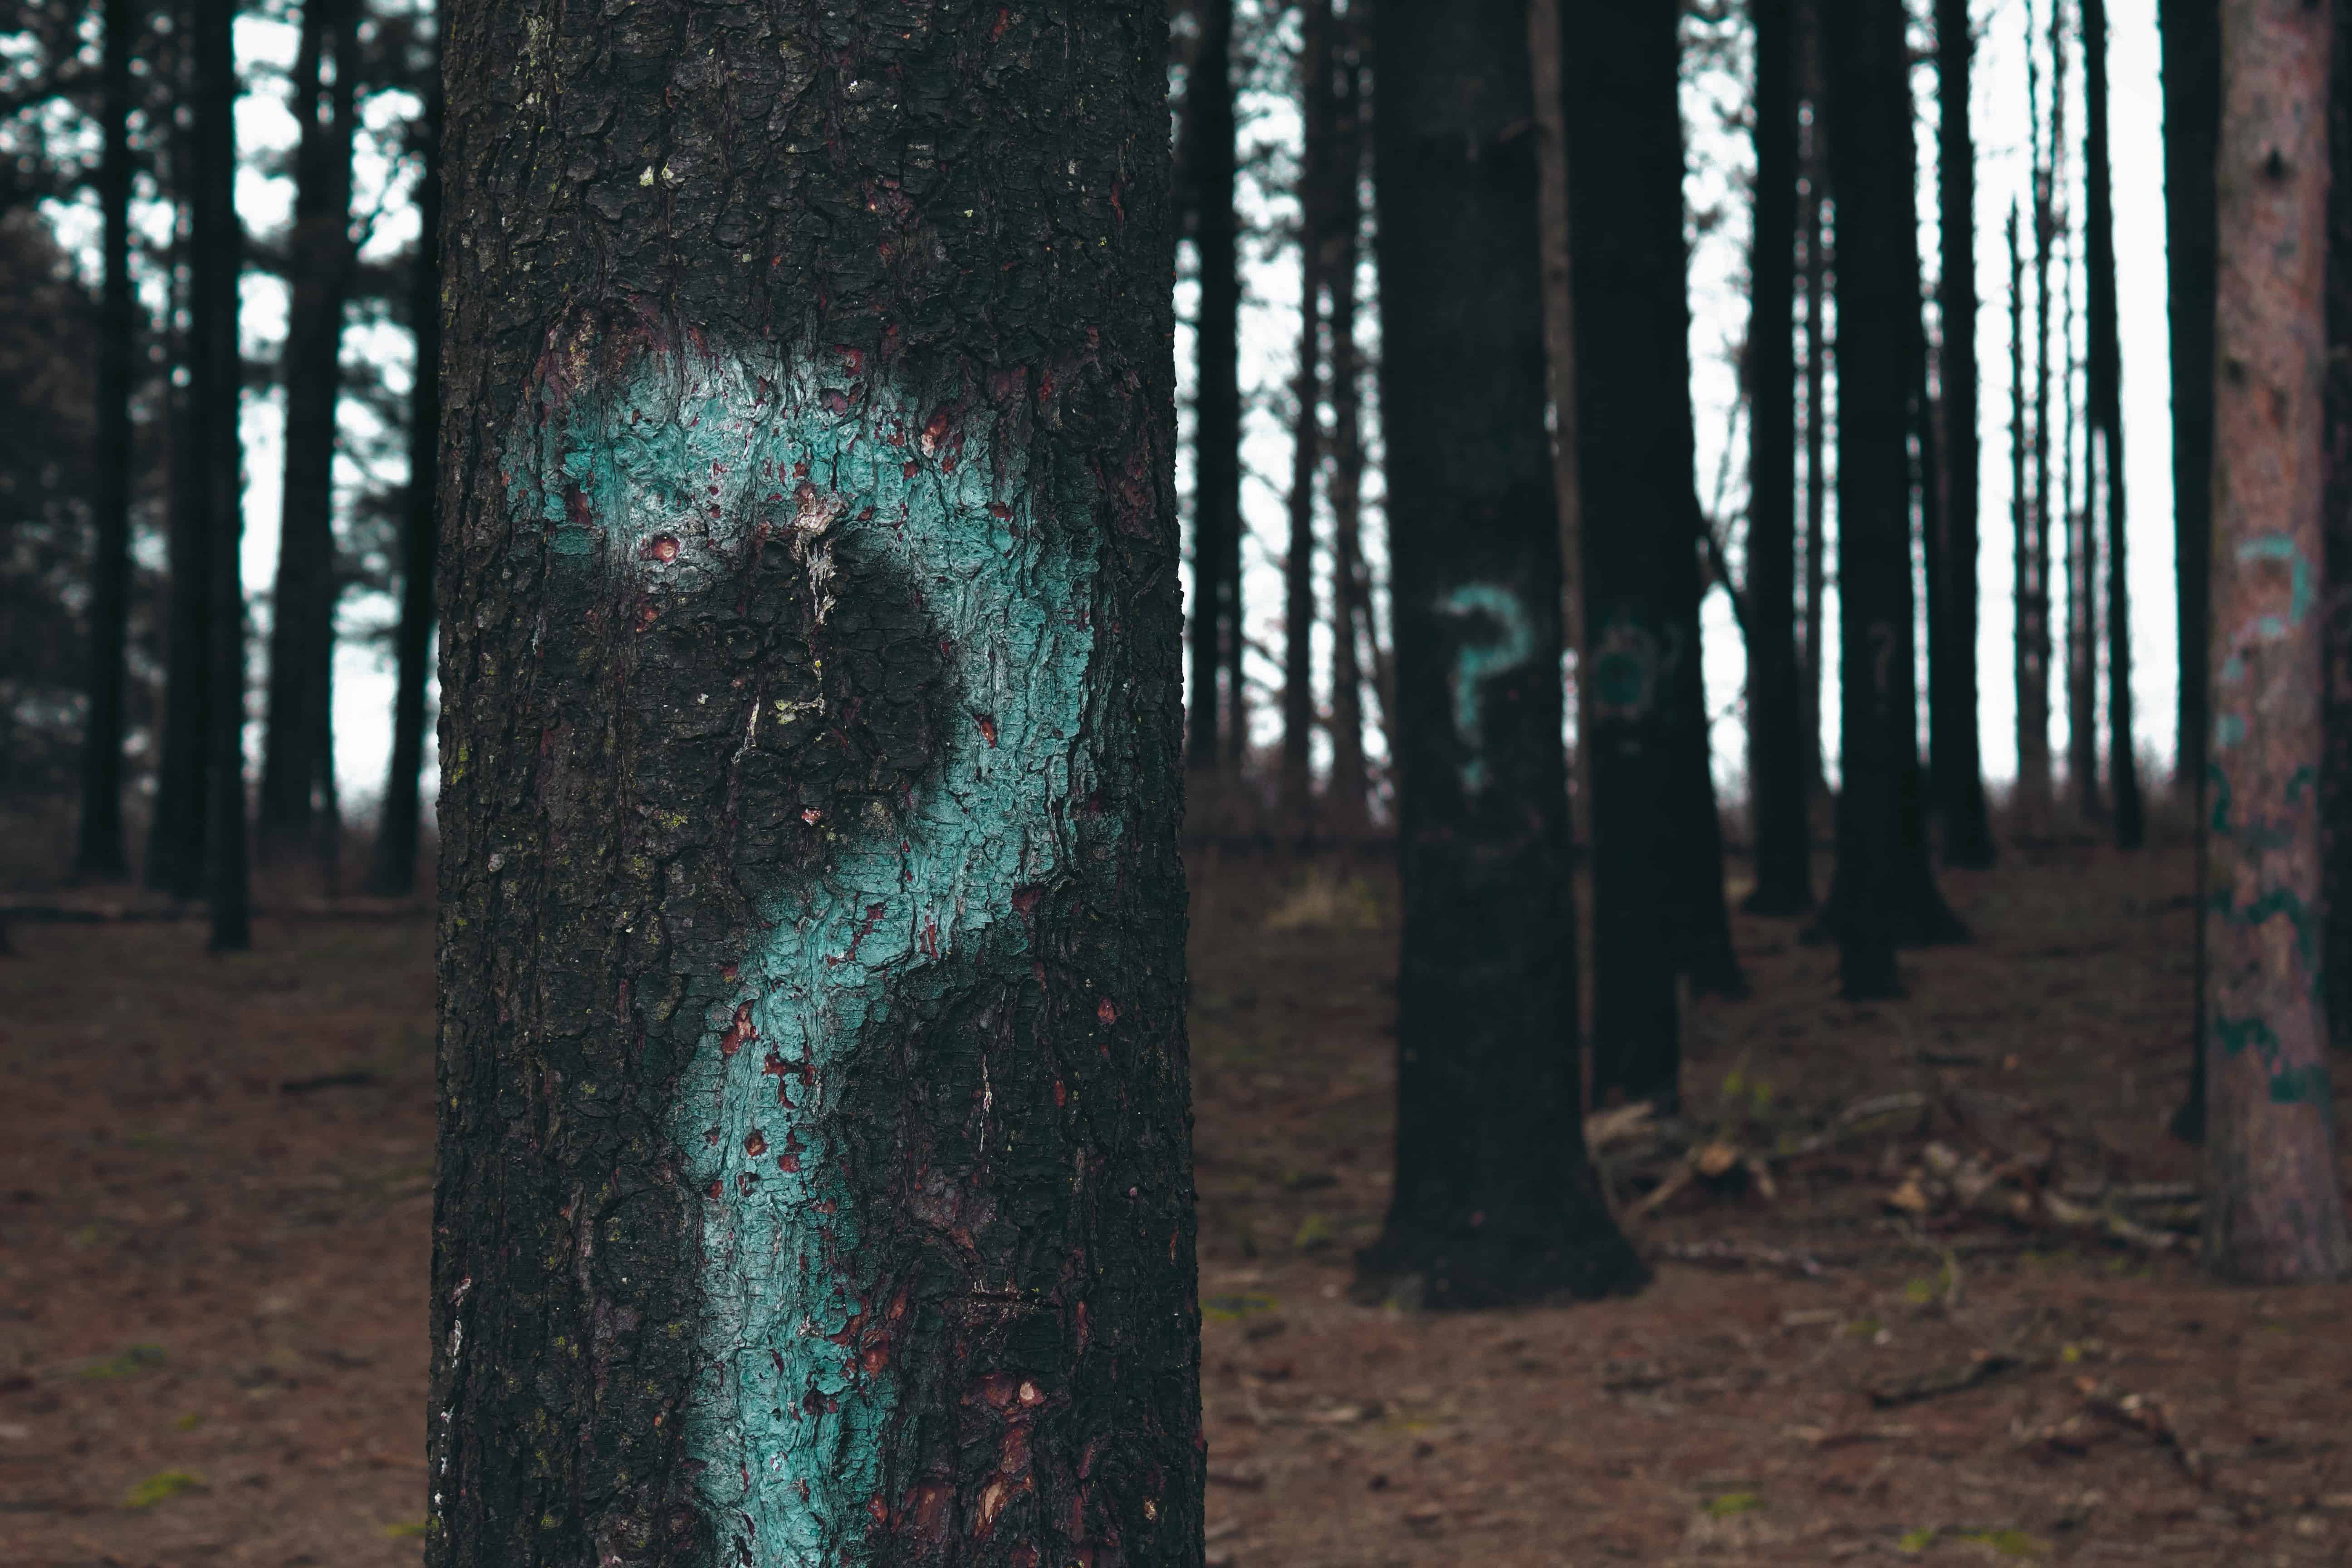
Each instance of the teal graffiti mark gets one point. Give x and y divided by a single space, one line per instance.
2281 547
2272 905
1478 662
2304 1085
1628 666
2234 1035
685 463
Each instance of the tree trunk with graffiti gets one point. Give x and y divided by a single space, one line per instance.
814 1171
2274 1210
1494 1201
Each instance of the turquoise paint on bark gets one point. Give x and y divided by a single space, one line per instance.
677 471
1479 661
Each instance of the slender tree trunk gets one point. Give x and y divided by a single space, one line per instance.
215 387
1817 353
1217 427
2107 425
1956 757
393 874
176 834
297 791
1300 612
2189 32
1350 785
2336 765
1927 917
2274 1205
2034 783
1559 359
2020 505
1776 747
1874 901
814 1183
1619 71
100 854
1494 1201
2074 512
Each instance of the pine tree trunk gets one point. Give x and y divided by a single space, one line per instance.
215 388
1954 754
2020 508
1559 358
2336 765
2081 544
2034 781
295 793
1777 763
176 832
2273 1206
393 874
1618 76
100 854
2190 34
1494 1201
1350 785
1814 224
814 1179
2108 426
1298 609
1217 427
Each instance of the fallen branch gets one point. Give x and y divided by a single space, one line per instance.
1980 1368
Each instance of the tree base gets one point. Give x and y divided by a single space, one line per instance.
1462 1268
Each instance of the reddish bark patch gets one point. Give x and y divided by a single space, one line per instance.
740 1030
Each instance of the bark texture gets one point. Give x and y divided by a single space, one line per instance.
1494 1201
1954 755
1776 755
100 852
2335 766
814 1178
294 811
2273 1209
392 873
1619 69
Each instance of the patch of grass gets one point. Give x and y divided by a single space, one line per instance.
404 1529
187 1423
1233 1309
1315 1232
1730 1503
1864 1328
2008 1542
1915 1541
162 1487
130 1363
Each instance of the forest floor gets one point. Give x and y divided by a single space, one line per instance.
215 1198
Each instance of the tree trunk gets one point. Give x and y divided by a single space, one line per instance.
815 1180
100 854
2107 425
1878 334
1349 785
1297 782
2081 544
215 388
393 874
2336 765
2189 32
1494 1201
2273 1206
2021 506
1618 74
2034 783
1954 757
1698 910
176 832
1815 153
1559 359
1216 629
297 792
1777 763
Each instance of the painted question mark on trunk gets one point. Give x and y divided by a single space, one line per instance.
684 472
1477 662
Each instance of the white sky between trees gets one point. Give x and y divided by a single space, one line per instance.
1720 162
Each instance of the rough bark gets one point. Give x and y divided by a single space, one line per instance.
215 390
2034 783
1637 508
1494 1201
1955 756
2274 1207
99 855
1296 782
1559 359
1776 746
2189 32
813 1177
2335 766
1348 800
2105 398
392 873
1217 424
296 798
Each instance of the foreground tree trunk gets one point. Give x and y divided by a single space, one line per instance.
1776 747
297 784
2274 1208
2189 32
216 246
815 1180
1217 634
1618 75
392 873
1494 1201
2336 728
1955 759
100 854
